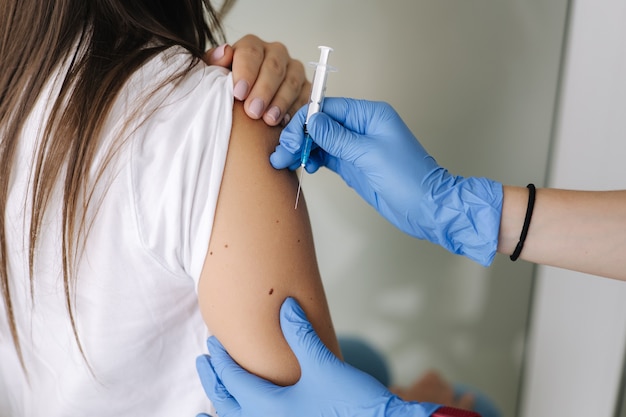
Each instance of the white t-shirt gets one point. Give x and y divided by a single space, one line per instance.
136 310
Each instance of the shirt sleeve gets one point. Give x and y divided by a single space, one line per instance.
177 161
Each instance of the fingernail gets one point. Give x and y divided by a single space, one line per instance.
256 107
273 114
286 119
218 53
241 90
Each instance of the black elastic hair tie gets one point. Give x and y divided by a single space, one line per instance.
529 214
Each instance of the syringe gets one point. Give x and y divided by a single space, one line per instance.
315 105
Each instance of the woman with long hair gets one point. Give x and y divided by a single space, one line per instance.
137 200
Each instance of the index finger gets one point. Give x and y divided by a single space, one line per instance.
249 54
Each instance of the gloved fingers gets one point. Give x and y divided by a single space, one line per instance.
224 403
315 161
365 117
339 108
311 353
334 138
288 152
203 415
235 380
356 115
281 158
292 136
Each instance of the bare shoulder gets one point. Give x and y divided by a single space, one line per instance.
251 144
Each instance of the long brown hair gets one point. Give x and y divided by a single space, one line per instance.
105 42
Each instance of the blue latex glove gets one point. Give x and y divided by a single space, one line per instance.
327 386
373 150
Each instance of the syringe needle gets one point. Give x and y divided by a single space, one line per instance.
318 89
305 157
299 187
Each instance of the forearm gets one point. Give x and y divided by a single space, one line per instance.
579 230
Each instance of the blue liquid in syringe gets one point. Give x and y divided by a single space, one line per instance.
306 151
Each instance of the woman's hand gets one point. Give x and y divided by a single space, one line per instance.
271 84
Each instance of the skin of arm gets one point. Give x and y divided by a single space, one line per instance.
261 251
583 231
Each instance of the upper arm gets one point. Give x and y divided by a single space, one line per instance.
261 251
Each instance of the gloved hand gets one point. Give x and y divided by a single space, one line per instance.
373 150
327 386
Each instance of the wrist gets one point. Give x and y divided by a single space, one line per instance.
513 211
473 208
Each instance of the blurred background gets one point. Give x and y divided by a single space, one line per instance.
478 82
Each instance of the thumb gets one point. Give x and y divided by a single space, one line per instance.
292 136
223 402
235 380
311 353
221 56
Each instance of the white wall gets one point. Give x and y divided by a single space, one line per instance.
579 321
476 82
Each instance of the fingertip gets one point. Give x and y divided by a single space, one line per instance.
229 52
275 161
312 166
302 338
217 53
273 116
288 304
205 372
207 376
214 345
281 158
254 107
241 89
221 55
292 312
202 363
